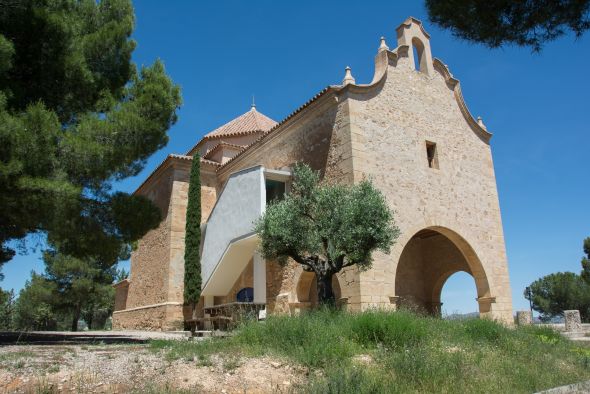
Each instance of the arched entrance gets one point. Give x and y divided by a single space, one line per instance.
458 296
307 293
428 259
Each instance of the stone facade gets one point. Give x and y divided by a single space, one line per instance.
410 132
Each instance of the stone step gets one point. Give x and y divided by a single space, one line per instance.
574 335
210 333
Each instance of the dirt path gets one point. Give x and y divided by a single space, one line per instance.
136 368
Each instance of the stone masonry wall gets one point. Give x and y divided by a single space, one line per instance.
158 318
149 268
390 125
246 279
178 204
208 194
320 138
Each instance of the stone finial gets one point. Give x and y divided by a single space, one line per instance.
348 78
524 318
480 123
573 322
383 46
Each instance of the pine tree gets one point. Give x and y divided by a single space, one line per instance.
192 240
586 261
506 22
76 115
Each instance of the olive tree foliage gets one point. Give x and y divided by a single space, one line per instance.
76 115
499 22
326 228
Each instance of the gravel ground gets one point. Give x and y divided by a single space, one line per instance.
135 368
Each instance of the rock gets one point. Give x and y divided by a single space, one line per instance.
573 322
286 383
275 364
524 318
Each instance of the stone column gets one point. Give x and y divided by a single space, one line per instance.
485 307
524 318
573 322
259 278
208 301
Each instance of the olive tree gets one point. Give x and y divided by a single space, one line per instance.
326 228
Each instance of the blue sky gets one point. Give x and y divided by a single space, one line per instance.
537 106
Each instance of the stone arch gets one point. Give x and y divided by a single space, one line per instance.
429 257
420 63
306 289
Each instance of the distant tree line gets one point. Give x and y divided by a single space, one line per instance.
45 304
555 293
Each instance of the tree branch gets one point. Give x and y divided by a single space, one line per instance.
295 256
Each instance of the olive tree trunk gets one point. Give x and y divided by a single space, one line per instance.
325 291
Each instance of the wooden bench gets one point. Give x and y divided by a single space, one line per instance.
217 322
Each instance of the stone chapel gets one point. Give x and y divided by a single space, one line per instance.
409 130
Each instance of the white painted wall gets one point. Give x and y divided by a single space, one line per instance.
259 278
241 202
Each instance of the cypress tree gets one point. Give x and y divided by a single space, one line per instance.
192 240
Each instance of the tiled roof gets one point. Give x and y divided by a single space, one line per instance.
277 125
247 123
168 158
222 144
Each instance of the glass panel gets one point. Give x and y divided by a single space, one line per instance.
275 190
245 295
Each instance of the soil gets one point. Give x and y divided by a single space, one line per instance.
135 368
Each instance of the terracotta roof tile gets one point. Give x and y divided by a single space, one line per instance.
277 125
249 122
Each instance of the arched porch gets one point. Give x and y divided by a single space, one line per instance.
428 259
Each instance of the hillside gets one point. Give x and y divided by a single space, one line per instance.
320 352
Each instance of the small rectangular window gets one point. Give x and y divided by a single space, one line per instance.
275 190
431 154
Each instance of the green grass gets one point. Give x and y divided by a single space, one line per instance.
16 356
405 353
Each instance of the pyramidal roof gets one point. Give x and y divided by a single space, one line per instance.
249 122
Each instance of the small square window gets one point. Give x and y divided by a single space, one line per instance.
431 154
275 190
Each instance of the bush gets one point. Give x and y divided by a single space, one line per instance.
399 352
393 330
